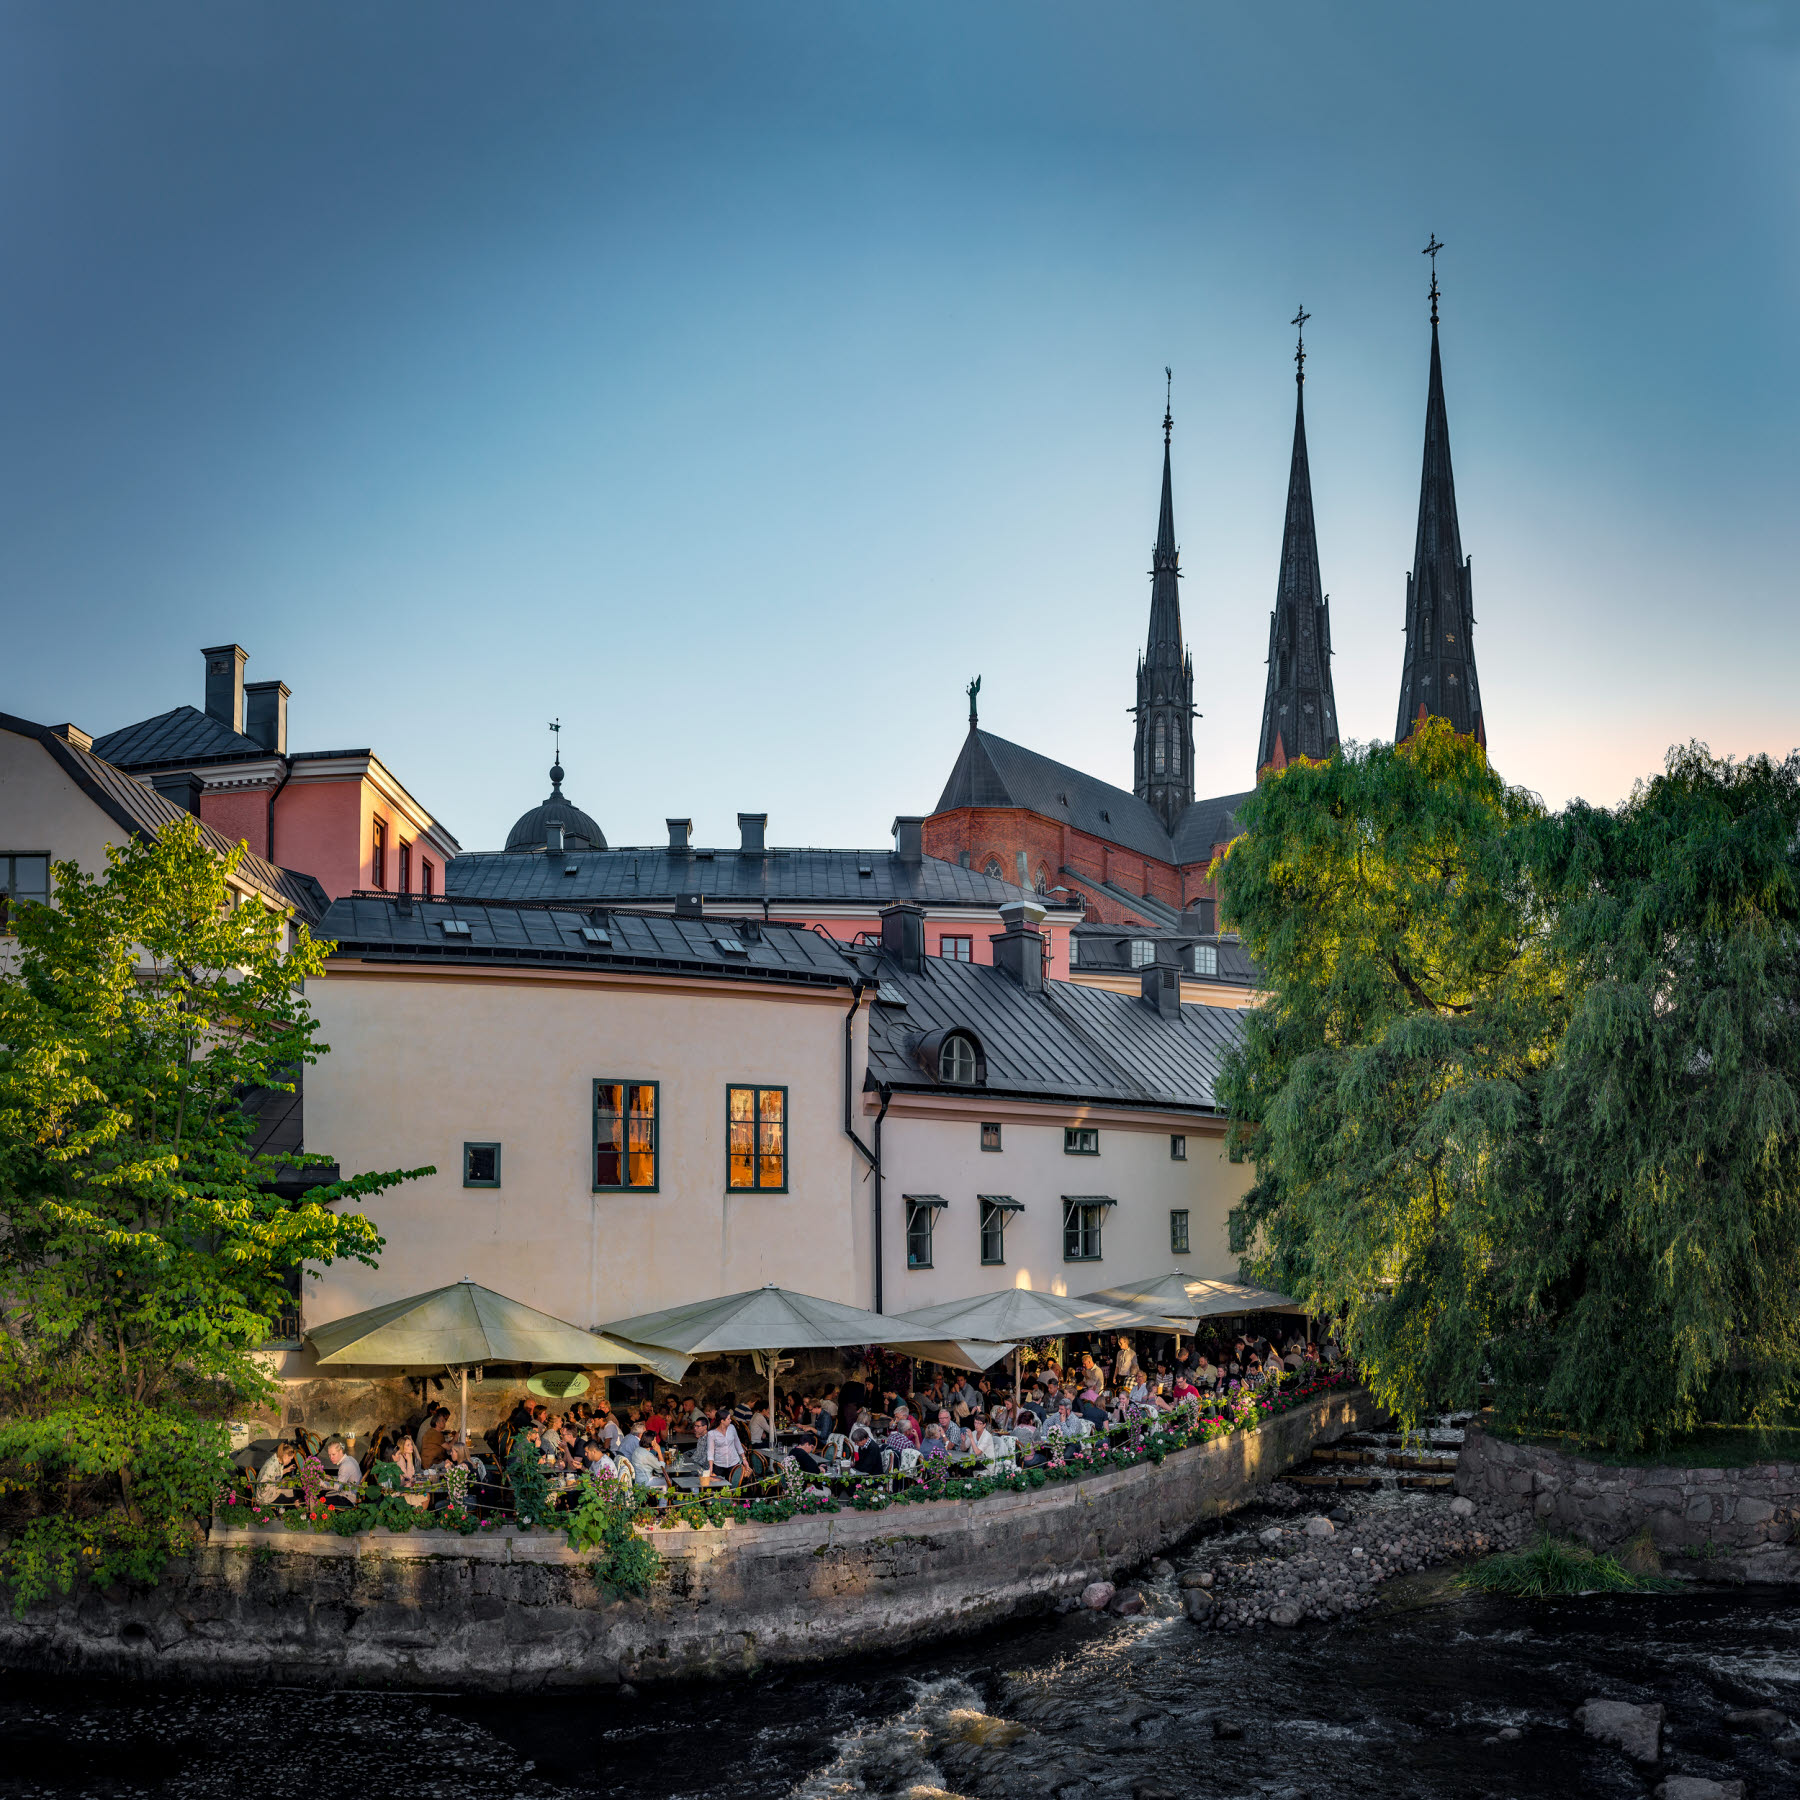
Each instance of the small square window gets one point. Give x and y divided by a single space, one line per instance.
1143 953
1205 959
596 934
1177 1147
990 1137
481 1165
456 928
957 949
1178 1232
1081 1140
23 878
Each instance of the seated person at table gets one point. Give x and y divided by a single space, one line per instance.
649 1466
825 1419
1026 1426
275 1479
865 1453
934 1448
399 1468
1185 1390
722 1451
905 1419
760 1434
898 1438
981 1440
343 1474
430 1441
1068 1423
1090 1408
806 1452
954 1435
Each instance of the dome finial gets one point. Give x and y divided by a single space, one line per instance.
556 768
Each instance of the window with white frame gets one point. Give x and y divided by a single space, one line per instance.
1205 959
1143 953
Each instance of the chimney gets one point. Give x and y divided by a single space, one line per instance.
225 684
1019 950
265 714
690 906
903 935
752 829
1202 914
679 830
73 734
909 838
553 833
182 786
1161 988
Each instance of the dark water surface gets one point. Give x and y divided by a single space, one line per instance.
1404 1701
1397 1702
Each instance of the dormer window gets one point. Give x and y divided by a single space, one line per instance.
1206 960
956 1061
1143 953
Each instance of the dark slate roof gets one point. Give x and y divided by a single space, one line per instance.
182 735
579 831
1205 824
990 771
144 812
726 878
389 929
1107 947
1067 1042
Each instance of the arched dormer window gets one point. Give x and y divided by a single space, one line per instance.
953 1056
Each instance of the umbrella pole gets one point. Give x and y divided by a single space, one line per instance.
774 1357
464 1372
1018 1356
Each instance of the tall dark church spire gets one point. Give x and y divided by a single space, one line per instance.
1164 761
1299 712
1439 677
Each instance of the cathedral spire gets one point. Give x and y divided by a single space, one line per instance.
1438 679
1164 759
1299 711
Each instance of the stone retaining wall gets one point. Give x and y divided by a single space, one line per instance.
1752 1511
436 1610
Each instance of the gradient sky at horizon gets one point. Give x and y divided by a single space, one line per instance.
735 381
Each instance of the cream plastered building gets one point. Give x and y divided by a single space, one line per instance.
59 802
492 1055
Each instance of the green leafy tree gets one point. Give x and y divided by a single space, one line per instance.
143 1250
1651 1275
1413 1005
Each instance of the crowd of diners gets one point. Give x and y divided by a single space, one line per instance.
889 1415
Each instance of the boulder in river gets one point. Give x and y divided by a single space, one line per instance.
1097 1595
1462 1507
1320 1527
1697 1787
1126 1602
1284 1615
1637 1730
1271 1537
1197 1578
1198 1602
1764 1720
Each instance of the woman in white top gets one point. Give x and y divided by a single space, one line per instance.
981 1440
724 1453
759 1425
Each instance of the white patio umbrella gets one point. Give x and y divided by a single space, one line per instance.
1184 1300
1025 1313
464 1325
773 1320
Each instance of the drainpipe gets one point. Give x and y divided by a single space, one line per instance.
274 795
871 1157
887 1094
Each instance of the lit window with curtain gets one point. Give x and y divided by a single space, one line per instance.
756 1139
378 856
625 1135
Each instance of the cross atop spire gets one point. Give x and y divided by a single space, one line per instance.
1168 403
1298 321
1431 250
556 769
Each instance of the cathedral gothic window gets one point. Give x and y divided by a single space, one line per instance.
1161 746
993 868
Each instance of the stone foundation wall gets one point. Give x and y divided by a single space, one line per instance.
435 1610
1749 1511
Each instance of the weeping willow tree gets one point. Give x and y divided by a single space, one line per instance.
1523 1095
1413 1007
1651 1280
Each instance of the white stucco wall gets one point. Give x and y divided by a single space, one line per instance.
423 1060
42 811
934 1147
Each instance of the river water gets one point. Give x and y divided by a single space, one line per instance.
1406 1701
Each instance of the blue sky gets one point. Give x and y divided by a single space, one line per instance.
734 381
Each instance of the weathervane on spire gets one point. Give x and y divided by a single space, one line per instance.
1298 321
556 773
1168 403
1432 250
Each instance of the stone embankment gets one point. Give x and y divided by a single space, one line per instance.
1739 1522
429 1609
1322 1567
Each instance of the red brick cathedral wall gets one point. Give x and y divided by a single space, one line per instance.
1000 833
